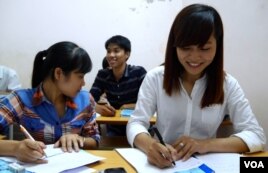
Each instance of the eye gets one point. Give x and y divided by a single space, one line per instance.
117 50
205 48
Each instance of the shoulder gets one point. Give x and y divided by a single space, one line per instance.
135 68
230 80
155 74
7 71
104 72
24 95
82 94
103 75
231 84
157 71
25 92
83 98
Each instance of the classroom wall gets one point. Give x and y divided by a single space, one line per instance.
29 26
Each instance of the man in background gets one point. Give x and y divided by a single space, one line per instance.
120 82
9 79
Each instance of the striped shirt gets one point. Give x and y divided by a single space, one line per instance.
119 92
38 115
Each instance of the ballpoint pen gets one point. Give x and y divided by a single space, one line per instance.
27 134
161 140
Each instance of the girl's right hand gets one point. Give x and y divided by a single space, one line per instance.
30 151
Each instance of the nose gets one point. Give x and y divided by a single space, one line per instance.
110 55
195 53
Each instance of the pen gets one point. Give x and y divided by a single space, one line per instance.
27 134
161 139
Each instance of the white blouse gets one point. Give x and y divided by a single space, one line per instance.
180 114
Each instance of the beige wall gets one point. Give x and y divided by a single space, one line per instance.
31 25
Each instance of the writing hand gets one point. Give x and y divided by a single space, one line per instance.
160 155
30 151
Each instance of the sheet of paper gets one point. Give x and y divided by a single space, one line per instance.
139 161
65 161
51 151
222 162
60 161
82 169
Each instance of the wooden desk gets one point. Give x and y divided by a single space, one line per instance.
2 137
113 160
117 119
5 92
257 154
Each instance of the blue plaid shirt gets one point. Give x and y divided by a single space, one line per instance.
38 115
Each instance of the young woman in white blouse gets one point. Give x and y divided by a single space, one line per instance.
191 94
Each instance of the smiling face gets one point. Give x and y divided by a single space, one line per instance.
195 59
116 56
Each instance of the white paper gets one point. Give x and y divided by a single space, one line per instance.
59 161
82 169
51 151
222 162
139 161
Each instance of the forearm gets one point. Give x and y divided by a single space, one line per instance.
7 147
143 141
90 143
230 144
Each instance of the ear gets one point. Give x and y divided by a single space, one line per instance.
127 55
58 73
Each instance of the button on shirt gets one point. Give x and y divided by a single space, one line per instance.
38 115
180 114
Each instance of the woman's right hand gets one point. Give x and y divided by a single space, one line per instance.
105 110
30 151
160 155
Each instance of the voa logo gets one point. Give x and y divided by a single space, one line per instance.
253 164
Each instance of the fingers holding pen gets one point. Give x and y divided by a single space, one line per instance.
30 151
160 155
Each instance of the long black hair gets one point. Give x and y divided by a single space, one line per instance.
66 55
193 26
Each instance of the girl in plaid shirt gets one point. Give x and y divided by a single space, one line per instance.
55 110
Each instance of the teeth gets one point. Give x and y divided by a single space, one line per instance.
194 64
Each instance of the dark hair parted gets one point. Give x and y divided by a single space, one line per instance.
193 26
119 40
66 55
